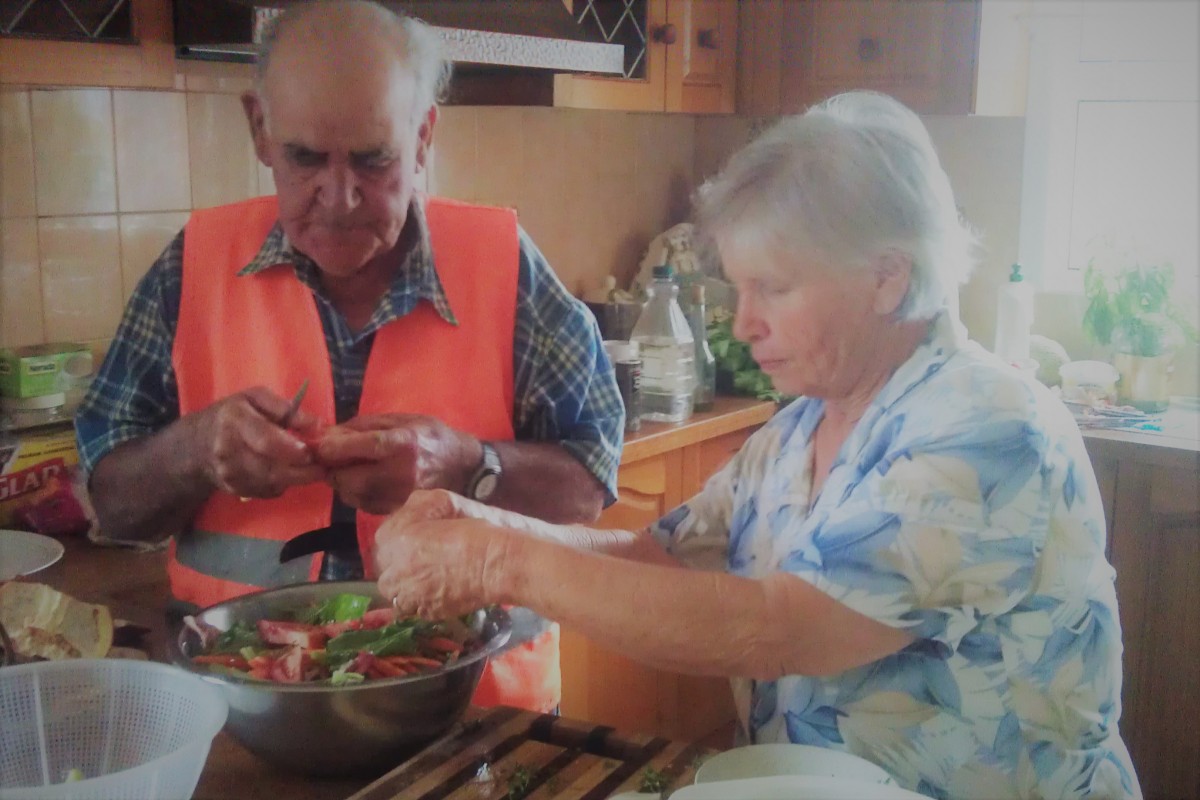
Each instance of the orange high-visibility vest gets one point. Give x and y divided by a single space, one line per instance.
236 332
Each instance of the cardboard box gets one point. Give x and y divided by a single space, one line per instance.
44 369
42 487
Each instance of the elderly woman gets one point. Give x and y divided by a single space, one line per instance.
907 563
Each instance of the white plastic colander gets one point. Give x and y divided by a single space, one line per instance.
134 729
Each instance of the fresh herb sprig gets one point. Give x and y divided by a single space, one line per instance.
733 357
654 781
519 781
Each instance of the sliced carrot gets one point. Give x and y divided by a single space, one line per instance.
421 661
443 644
387 668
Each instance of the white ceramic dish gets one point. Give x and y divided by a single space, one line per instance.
24 553
794 787
767 760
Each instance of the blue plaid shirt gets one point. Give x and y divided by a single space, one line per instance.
564 389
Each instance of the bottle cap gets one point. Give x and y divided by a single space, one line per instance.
1016 276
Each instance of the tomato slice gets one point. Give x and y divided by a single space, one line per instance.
290 667
378 618
311 637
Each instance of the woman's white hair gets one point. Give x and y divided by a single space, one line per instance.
417 45
853 178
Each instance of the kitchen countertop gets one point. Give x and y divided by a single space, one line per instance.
727 414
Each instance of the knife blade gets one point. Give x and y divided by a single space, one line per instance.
286 420
338 536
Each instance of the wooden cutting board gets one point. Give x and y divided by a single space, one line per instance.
566 759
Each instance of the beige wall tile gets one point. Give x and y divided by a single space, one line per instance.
152 151
216 76
20 284
663 192
452 172
81 277
143 238
16 156
220 154
74 163
717 138
538 193
500 167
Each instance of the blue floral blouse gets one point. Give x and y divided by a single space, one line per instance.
963 509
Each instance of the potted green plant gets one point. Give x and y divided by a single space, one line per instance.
1133 312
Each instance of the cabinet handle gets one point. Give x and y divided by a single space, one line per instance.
665 34
868 48
708 39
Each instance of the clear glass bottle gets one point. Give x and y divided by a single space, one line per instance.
668 352
706 363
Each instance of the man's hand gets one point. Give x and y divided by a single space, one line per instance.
245 450
435 561
375 462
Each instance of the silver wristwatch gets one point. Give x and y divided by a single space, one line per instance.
486 477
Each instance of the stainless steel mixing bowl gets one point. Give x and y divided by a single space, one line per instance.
318 729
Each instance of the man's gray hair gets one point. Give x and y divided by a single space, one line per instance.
849 180
417 45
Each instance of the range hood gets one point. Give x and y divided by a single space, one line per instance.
504 51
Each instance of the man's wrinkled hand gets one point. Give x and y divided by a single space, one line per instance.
246 452
376 462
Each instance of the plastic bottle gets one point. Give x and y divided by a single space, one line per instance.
1014 318
706 363
662 332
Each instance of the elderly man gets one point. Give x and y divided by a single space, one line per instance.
439 349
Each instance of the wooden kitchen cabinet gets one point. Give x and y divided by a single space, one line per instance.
1151 491
793 53
147 64
661 466
690 64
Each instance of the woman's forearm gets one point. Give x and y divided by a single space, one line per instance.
692 621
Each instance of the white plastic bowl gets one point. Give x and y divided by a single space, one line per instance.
135 729
794 787
768 760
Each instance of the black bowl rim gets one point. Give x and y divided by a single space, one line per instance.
180 659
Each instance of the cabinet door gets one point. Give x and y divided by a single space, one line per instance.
922 52
642 93
702 64
1155 533
704 459
147 64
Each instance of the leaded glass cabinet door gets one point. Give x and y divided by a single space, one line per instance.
639 25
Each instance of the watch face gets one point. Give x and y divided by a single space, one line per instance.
486 485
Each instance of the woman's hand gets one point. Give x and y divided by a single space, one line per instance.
435 559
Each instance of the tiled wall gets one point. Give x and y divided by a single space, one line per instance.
95 182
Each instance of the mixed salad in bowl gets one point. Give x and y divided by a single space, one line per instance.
340 640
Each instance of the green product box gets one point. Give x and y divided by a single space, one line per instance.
42 369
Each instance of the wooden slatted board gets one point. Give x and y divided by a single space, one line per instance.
569 760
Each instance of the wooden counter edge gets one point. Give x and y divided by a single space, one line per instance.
728 414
